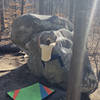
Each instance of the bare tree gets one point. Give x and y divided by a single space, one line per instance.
79 46
2 15
2 25
22 6
71 10
41 6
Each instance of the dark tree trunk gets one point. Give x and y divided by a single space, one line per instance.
67 7
71 10
22 7
2 16
41 7
15 8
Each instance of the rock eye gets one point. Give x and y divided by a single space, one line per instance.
48 41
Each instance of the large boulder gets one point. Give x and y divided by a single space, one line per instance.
28 30
29 25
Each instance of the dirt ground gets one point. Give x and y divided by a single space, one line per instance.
15 74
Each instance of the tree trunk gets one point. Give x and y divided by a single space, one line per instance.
41 7
71 10
79 46
67 7
22 7
2 16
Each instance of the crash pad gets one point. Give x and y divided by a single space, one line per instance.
36 91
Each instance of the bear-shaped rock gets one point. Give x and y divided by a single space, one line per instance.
30 31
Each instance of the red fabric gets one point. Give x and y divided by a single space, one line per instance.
47 90
15 94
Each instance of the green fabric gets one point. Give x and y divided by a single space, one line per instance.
29 93
11 93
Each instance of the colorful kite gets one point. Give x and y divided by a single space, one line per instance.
34 92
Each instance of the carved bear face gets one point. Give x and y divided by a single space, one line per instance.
47 37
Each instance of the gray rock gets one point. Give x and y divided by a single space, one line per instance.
26 31
27 25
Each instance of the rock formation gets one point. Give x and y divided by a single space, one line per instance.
28 30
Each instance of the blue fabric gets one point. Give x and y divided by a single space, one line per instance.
43 91
54 57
